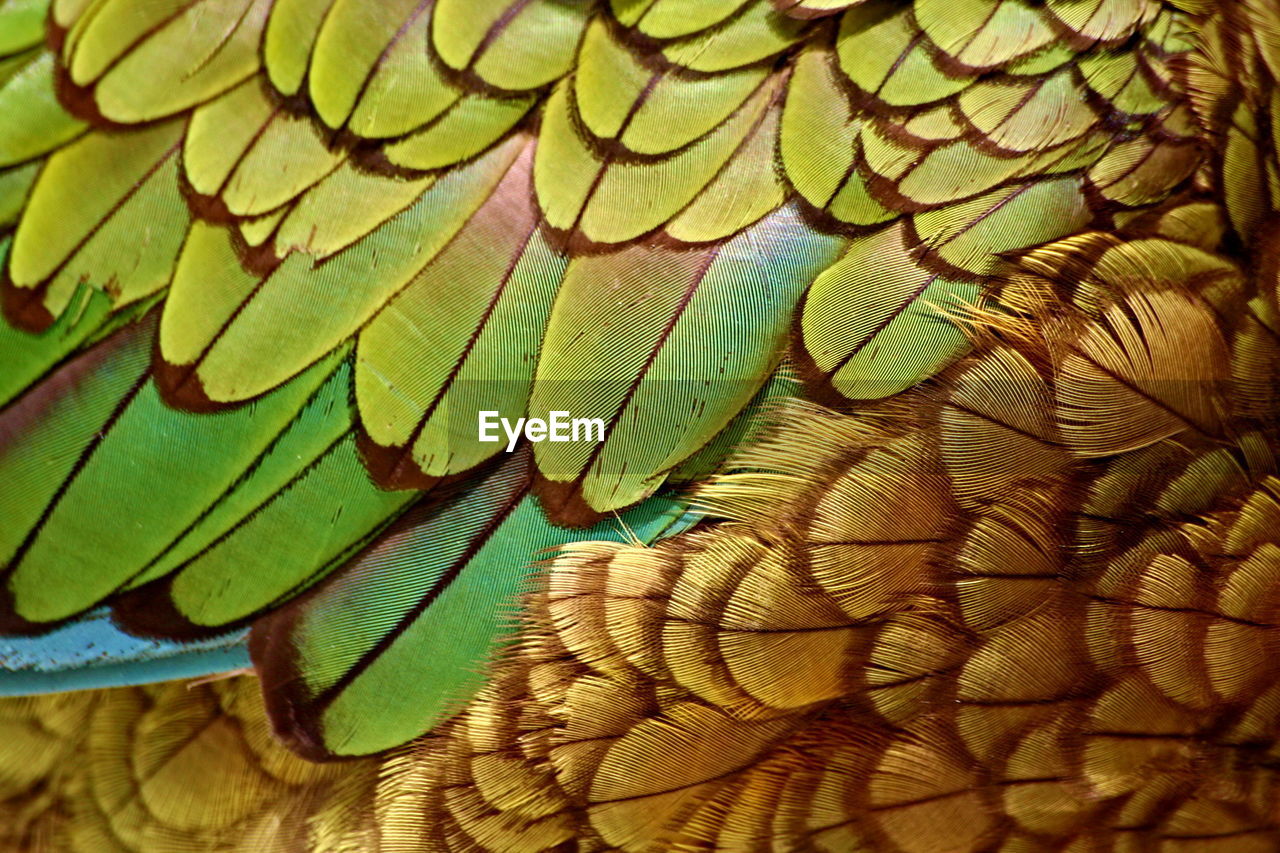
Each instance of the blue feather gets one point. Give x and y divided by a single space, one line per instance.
92 652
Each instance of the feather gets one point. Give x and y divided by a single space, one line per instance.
999 579
674 361
27 89
1139 369
578 191
232 149
137 191
903 331
461 338
509 45
115 50
441 577
195 526
93 653
367 269
663 19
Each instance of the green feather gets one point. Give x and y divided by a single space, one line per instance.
739 195
613 201
26 89
881 52
68 236
234 146
28 356
288 40
463 130
984 34
462 337
306 530
755 34
971 235
876 323
15 183
152 60
434 596
322 422
21 24
158 467
302 310
405 90
699 334
664 19
620 98
509 44
44 433
349 46
818 131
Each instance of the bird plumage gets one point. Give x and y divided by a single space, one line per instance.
958 322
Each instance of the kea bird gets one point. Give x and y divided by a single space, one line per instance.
640 425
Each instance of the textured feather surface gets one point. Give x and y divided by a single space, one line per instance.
431 597
942 624
265 262
129 758
916 632
92 652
